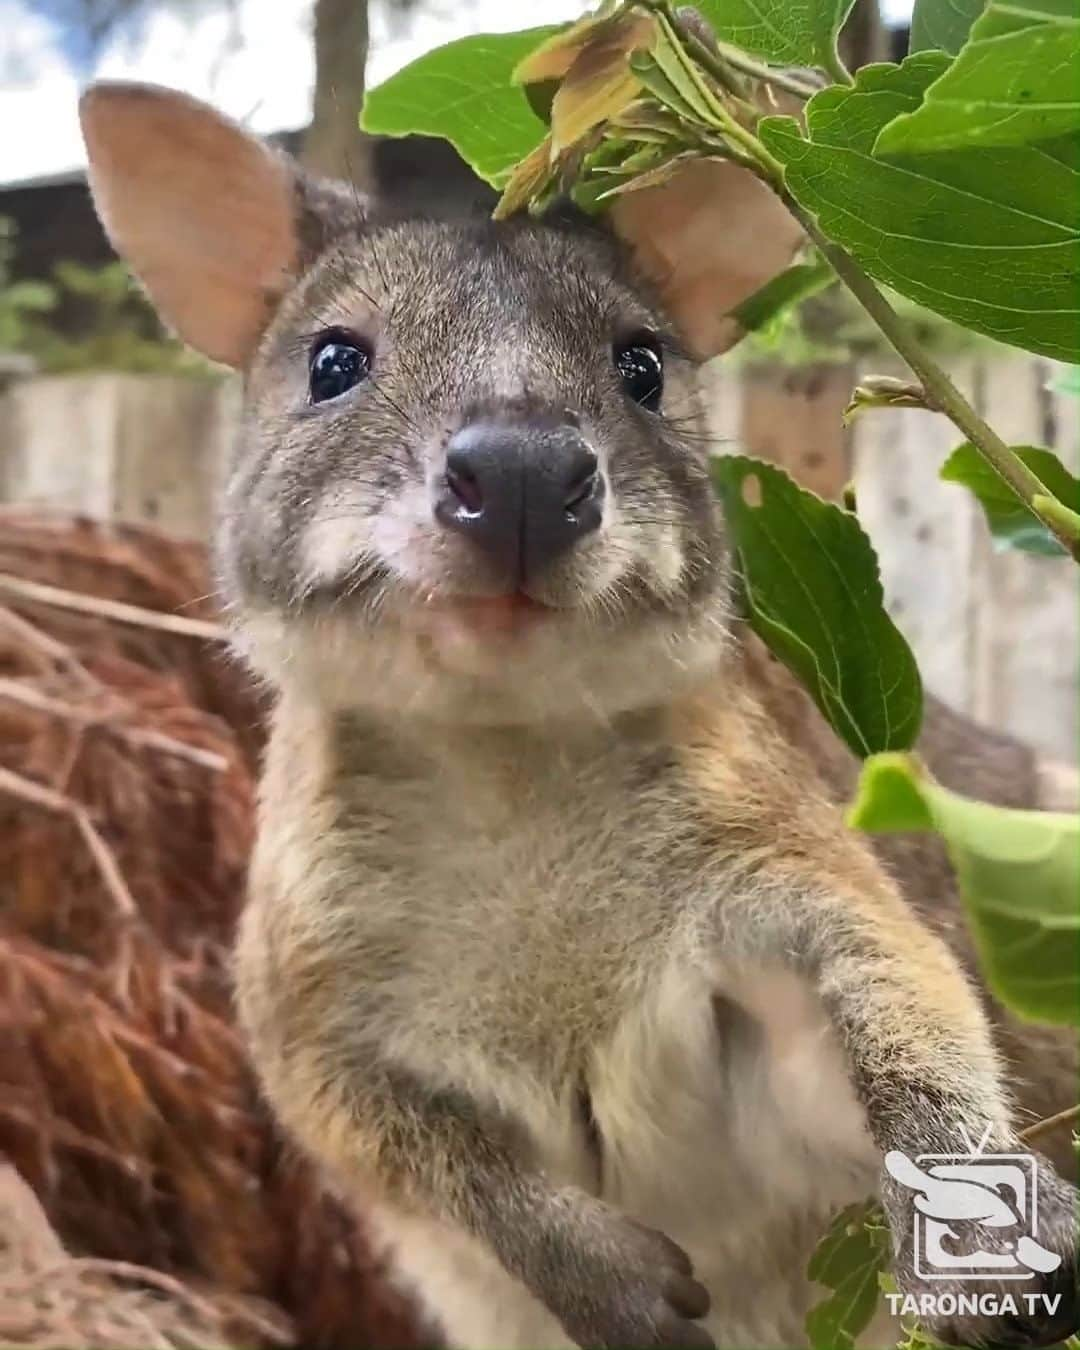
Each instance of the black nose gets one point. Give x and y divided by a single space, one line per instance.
524 493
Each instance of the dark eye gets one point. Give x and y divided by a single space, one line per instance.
640 363
338 362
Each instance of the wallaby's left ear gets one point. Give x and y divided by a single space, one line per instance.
206 214
707 239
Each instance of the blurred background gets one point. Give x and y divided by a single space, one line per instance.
295 70
145 1199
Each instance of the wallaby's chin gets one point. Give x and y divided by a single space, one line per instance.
487 662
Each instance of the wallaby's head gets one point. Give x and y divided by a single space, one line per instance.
472 475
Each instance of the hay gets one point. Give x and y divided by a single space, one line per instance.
127 753
52 1301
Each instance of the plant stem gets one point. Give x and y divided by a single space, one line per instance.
714 63
721 62
1057 511
1066 1117
941 394
835 67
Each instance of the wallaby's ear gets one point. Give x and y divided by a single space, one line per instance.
205 213
707 239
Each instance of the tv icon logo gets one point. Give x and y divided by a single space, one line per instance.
993 1191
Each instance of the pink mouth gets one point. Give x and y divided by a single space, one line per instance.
494 616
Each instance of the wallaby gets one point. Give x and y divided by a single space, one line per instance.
558 953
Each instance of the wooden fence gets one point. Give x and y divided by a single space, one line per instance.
127 447
997 634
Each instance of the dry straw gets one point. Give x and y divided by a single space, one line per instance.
128 742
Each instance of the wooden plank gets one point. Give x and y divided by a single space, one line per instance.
130 447
924 534
1026 620
173 437
57 442
722 394
793 416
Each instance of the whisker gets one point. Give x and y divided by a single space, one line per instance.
396 407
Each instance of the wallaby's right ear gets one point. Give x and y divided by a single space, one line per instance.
205 214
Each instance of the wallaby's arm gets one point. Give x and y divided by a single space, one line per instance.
813 900
608 1281
812 897
1041 1062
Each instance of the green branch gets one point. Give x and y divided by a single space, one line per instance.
835 67
1068 521
941 394
721 60
726 56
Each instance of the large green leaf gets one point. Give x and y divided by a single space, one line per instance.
850 1261
790 32
462 92
1015 82
1019 874
989 238
1011 523
942 24
814 596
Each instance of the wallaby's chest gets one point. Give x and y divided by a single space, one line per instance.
557 964
541 884
532 927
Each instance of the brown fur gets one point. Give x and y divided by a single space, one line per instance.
558 950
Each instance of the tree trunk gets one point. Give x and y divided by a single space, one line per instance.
334 145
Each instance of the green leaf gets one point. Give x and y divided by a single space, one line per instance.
683 74
989 238
39 296
462 92
814 596
1011 523
782 293
1015 82
849 1260
917 1339
648 70
1019 874
788 32
942 24
1067 382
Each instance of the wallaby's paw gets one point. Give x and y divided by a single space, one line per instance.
1032 1324
634 1289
